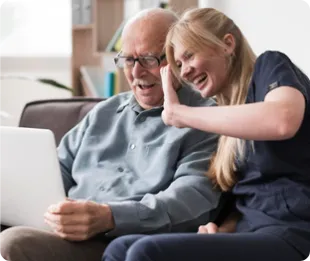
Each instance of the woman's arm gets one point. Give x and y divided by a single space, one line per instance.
278 117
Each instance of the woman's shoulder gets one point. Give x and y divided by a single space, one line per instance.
275 62
271 56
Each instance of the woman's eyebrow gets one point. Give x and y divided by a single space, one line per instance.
186 54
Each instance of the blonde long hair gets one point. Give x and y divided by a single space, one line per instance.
202 27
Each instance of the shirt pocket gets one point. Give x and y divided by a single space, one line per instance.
154 163
161 156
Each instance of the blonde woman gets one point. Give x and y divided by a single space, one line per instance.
263 154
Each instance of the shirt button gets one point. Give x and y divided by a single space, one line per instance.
120 169
132 146
101 188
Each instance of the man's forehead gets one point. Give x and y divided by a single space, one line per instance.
140 39
127 52
142 47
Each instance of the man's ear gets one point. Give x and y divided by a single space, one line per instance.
230 44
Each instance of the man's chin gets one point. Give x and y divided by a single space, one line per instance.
148 103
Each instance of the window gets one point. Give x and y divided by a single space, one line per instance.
35 28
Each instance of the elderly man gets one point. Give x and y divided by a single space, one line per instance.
123 169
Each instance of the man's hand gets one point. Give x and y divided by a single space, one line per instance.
171 100
79 220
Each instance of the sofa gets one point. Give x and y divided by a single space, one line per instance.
58 115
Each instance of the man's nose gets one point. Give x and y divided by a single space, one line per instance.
138 70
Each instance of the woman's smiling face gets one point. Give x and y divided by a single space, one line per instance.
206 69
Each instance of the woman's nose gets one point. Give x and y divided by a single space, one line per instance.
186 72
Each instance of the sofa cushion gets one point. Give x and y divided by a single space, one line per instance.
58 115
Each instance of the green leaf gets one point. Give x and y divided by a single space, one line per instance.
54 83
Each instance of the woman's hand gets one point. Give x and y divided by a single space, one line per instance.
210 228
171 100
228 226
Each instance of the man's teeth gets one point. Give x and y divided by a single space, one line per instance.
146 86
200 79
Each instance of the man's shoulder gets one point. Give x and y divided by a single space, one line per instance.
196 99
113 103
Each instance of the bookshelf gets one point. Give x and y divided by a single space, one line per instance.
179 6
90 39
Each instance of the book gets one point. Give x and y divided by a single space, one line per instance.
86 12
76 12
109 82
164 5
116 39
92 80
117 82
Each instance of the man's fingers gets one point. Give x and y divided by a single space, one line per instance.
72 236
70 232
66 207
68 229
67 219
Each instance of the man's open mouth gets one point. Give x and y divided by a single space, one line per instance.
146 86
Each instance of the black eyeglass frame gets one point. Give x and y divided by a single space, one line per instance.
134 60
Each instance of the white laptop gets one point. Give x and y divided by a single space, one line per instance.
30 176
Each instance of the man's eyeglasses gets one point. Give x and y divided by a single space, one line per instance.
148 62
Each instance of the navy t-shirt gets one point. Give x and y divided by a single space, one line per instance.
273 188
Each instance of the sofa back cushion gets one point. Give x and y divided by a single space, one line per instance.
58 115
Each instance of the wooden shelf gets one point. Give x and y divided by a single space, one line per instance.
108 16
89 41
83 27
179 6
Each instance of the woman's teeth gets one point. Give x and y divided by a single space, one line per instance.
200 79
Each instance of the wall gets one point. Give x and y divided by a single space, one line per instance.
16 93
282 25
277 24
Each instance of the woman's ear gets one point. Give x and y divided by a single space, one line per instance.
229 41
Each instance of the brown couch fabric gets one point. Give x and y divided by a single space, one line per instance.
58 115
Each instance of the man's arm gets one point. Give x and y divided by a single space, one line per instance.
68 148
188 202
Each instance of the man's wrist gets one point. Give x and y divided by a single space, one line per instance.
109 219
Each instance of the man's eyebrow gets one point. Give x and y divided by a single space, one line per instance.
124 54
148 54
141 55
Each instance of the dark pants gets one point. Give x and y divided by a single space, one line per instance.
200 247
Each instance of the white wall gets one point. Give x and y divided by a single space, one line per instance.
282 25
268 24
16 93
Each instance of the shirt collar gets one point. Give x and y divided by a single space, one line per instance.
183 93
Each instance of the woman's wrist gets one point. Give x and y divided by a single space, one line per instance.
178 115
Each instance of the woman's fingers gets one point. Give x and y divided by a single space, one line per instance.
210 228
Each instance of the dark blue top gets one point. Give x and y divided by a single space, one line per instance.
273 191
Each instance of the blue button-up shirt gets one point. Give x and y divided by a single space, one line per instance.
151 175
